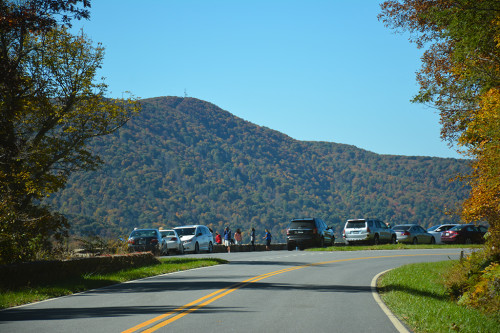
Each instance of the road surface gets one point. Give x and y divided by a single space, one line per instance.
275 291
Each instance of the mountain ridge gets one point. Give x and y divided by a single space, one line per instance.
186 161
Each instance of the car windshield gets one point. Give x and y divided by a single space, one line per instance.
433 228
457 228
167 233
355 224
401 227
301 225
143 233
445 227
185 231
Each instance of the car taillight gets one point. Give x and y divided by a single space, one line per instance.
154 240
131 241
288 232
173 238
343 232
406 233
368 229
315 230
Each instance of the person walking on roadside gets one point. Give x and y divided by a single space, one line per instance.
252 238
268 238
227 239
237 237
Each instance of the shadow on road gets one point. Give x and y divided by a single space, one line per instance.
36 314
25 314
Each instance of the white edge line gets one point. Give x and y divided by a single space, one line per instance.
395 321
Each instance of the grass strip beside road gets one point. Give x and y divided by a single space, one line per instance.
416 294
399 246
10 298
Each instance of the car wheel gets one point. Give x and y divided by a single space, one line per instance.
322 242
289 247
433 241
376 240
210 247
415 241
196 248
181 250
332 243
393 239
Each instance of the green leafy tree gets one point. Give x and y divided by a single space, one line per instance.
460 76
51 107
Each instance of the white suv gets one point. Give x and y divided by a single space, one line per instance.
369 231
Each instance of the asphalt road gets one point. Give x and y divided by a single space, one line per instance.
276 291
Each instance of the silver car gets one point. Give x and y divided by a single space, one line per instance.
367 231
196 238
438 230
173 241
413 234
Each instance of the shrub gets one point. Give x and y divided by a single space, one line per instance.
475 281
485 294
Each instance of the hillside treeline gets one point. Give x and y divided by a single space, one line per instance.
186 161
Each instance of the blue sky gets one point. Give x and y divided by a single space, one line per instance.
316 70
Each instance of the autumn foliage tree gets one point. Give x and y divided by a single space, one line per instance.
51 106
460 76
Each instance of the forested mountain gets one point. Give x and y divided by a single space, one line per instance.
186 161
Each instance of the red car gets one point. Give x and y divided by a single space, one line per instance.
464 234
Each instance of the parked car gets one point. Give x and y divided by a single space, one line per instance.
196 238
308 232
438 230
173 241
147 240
413 234
367 231
464 234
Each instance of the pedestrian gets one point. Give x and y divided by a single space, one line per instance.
227 239
218 238
252 238
268 238
237 237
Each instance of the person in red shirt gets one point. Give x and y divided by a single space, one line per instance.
218 238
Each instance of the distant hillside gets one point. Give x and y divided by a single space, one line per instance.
186 161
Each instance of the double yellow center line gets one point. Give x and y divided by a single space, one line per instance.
205 300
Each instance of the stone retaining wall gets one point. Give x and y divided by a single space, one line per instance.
39 272
248 248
